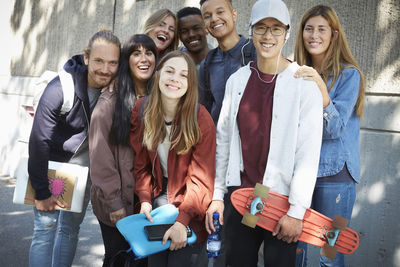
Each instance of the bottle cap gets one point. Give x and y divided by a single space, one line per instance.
215 215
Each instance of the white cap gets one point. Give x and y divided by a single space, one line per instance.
269 9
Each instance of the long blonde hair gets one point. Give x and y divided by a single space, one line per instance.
155 19
185 131
337 57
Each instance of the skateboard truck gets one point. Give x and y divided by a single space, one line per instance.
316 226
257 205
329 250
332 236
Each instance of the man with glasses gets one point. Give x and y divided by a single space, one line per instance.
269 131
276 30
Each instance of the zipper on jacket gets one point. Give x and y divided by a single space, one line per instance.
152 166
87 120
152 173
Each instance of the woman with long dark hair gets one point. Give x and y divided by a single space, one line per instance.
174 142
322 48
111 156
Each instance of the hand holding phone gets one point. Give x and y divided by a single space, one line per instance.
178 236
156 232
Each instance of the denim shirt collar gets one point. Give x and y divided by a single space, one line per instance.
234 50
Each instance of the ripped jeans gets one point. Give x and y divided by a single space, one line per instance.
330 199
55 235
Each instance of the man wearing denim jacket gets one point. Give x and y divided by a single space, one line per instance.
233 52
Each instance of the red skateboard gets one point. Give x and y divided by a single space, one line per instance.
263 208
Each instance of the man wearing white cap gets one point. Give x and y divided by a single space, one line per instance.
269 131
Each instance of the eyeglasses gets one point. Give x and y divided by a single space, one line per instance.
262 29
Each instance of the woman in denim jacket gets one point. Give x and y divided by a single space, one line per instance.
321 45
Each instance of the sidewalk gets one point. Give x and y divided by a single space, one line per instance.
17 227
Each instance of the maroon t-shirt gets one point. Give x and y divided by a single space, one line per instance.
254 121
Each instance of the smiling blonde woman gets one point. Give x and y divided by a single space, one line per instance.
162 27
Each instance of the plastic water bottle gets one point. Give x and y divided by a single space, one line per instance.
214 239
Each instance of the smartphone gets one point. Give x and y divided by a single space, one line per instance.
156 232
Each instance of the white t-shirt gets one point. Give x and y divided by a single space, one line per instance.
163 150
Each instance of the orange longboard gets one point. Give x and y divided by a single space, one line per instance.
266 208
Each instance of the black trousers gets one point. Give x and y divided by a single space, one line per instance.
113 243
184 257
243 243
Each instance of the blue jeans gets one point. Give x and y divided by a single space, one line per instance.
55 235
330 199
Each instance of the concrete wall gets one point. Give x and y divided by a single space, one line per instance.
39 35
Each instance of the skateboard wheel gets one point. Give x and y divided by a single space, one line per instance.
249 220
329 251
261 190
260 206
330 235
339 222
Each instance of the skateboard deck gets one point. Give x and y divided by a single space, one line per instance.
132 228
266 208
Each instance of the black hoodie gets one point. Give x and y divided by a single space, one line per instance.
57 136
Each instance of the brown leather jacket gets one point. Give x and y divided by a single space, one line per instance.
190 176
110 166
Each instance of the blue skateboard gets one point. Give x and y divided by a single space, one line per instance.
132 228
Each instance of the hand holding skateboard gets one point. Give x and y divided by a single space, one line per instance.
265 209
288 229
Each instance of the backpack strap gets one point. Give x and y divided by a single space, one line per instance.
247 55
206 77
68 88
40 85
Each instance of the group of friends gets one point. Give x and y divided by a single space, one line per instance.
159 124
